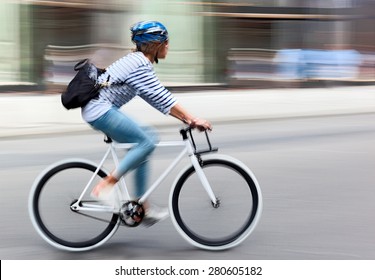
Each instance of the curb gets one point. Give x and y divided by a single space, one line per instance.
35 114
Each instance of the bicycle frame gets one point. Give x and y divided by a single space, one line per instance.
188 149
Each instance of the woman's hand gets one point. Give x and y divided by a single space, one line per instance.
180 113
201 124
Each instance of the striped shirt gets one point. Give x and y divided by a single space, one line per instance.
137 74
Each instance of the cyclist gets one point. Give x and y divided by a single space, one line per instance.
103 113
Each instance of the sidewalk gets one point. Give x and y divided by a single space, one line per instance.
28 114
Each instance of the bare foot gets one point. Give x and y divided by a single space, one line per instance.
104 186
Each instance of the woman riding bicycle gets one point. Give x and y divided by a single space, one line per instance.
103 113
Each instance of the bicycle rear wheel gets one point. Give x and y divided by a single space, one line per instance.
238 209
51 196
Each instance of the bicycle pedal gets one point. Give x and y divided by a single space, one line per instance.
148 222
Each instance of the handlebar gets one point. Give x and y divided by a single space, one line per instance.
186 134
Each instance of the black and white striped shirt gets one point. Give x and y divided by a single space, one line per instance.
140 80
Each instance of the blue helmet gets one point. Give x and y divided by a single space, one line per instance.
148 32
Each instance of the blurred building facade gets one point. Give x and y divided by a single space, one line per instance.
238 42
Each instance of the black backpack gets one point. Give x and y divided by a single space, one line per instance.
83 87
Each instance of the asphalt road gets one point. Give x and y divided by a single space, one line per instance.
316 174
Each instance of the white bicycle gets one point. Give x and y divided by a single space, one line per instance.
215 202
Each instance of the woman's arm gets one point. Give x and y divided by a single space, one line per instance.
180 113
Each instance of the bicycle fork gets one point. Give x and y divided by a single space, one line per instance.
202 177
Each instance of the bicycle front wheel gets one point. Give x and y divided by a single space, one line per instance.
51 197
228 221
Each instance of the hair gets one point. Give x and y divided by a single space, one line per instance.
148 48
151 48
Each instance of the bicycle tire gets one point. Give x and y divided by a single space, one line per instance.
193 213
50 198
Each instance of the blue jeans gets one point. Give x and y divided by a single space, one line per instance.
123 129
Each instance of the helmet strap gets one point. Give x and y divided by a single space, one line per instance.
157 52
